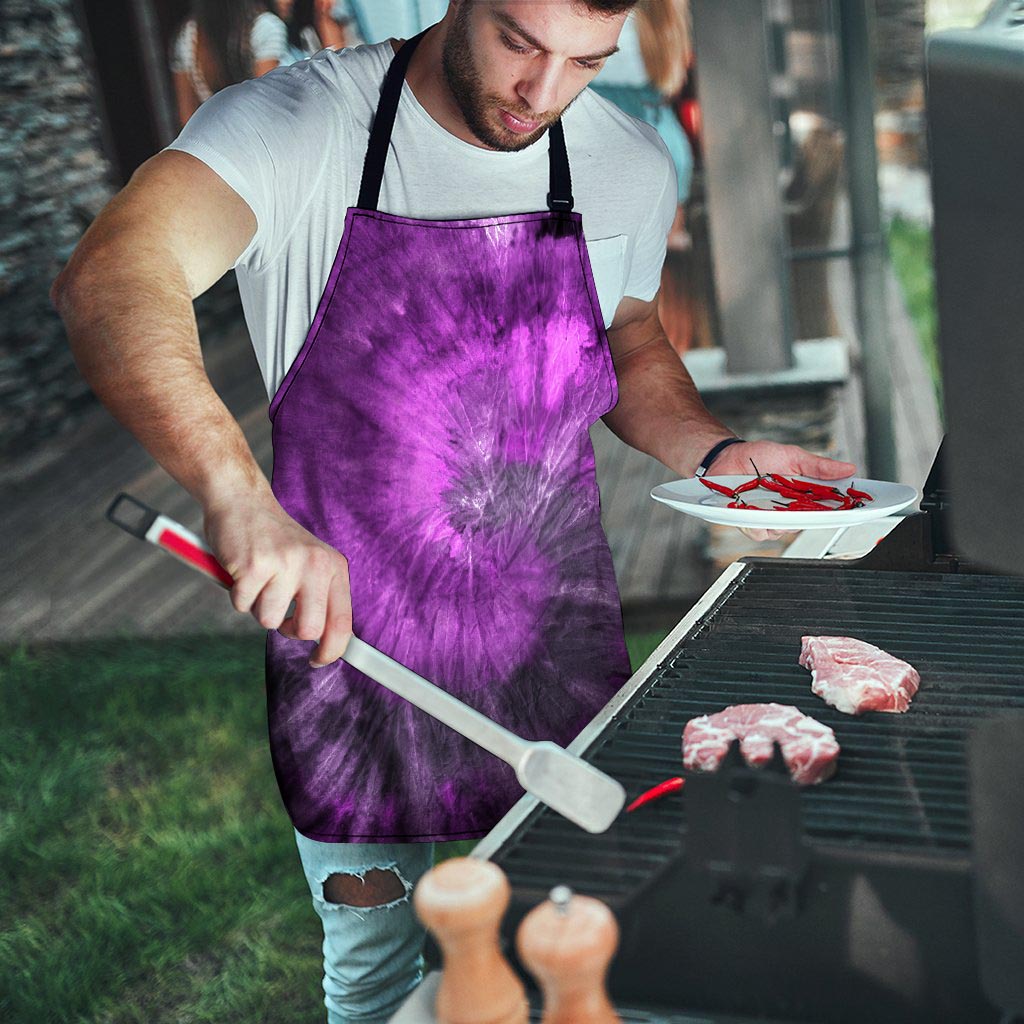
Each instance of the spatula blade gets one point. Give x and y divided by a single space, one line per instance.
567 784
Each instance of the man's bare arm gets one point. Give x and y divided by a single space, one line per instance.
660 411
126 300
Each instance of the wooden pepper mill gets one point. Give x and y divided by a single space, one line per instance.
567 943
462 901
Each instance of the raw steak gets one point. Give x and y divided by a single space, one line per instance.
855 677
809 748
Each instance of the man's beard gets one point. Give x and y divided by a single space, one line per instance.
464 83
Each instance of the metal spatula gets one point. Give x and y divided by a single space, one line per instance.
567 784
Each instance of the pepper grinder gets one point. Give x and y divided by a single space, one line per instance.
462 901
567 943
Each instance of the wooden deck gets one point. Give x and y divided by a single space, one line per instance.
73 575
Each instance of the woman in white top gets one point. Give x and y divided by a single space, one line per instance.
646 75
313 25
221 43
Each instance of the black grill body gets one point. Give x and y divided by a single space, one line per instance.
846 901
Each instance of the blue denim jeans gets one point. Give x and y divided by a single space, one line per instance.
372 955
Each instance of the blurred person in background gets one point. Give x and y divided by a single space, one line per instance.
647 75
313 25
221 43
372 21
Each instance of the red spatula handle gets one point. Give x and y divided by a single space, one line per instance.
147 524
563 781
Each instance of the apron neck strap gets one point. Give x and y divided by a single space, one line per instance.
559 197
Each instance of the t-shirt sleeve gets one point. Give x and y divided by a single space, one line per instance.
651 240
269 139
269 38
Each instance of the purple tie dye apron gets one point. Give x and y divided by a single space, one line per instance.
434 430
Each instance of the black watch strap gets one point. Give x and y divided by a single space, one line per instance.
705 463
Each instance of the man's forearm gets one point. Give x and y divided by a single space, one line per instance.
660 411
132 330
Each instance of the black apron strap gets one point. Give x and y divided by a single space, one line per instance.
560 194
383 122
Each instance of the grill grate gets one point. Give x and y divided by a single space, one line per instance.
902 779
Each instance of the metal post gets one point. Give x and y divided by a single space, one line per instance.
867 237
748 236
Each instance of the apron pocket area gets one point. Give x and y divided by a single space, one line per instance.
608 262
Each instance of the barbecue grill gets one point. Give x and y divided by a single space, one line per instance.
893 892
746 896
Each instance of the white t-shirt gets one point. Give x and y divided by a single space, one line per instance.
292 144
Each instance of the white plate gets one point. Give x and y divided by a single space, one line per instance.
693 498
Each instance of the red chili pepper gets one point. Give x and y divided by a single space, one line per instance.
788 492
750 485
863 495
773 485
806 505
656 793
808 487
720 488
793 485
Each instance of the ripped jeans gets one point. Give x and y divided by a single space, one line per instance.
372 953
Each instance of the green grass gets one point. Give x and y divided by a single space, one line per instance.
910 246
148 868
641 646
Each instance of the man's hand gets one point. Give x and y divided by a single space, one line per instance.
274 561
770 457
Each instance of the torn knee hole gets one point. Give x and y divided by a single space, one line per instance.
372 889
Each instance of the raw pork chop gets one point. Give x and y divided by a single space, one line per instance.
855 677
809 748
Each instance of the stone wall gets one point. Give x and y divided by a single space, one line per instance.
899 54
54 178
899 82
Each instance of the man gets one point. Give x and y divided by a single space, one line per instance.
430 321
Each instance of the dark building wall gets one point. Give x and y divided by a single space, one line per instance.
54 179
